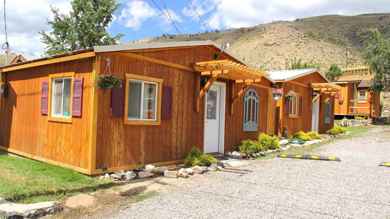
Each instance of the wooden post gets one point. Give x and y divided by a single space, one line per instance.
204 90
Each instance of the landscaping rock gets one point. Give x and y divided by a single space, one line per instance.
235 154
170 174
145 174
2 200
80 201
130 175
149 167
212 167
117 176
182 173
159 171
189 171
234 163
283 142
199 169
12 210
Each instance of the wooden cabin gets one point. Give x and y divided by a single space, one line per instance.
357 98
305 103
173 96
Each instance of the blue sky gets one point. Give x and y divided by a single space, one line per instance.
139 19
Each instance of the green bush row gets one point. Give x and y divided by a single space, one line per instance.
337 130
197 158
306 136
263 143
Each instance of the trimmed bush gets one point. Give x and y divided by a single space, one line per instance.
268 142
249 147
314 135
301 135
197 158
337 130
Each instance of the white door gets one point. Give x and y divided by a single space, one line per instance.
215 118
315 118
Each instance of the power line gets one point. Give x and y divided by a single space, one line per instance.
6 44
167 14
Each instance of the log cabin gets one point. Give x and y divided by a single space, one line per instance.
305 103
163 99
357 98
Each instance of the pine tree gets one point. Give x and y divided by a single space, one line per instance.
334 72
84 27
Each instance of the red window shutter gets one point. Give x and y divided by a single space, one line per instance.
300 105
117 101
166 111
45 98
77 103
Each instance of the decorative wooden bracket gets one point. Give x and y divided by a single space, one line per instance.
240 93
204 90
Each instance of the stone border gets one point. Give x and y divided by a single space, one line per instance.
14 210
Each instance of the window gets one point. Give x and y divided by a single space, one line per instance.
251 111
61 97
143 97
362 95
293 104
328 111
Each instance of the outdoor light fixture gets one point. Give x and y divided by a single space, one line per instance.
277 93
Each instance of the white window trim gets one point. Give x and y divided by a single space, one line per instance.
249 125
58 118
142 100
143 79
61 115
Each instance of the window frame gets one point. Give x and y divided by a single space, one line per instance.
328 111
360 100
294 98
51 117
245 122
143 79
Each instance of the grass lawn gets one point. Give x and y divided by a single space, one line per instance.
27 181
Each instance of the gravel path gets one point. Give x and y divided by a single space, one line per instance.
286 188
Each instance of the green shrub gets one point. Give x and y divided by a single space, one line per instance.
197 158
268 142
301 135
249 147
337 130
314 135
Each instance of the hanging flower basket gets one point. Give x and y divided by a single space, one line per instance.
109 82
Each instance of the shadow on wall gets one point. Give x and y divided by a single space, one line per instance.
7 105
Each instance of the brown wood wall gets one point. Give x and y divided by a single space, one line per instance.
304 120
123 146
25 131
370 108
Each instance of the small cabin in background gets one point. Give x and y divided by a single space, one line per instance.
356 97
306 102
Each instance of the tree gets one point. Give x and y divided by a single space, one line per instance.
334 72
377 54
84 27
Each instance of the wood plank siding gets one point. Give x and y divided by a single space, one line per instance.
301 86
122 146
25 131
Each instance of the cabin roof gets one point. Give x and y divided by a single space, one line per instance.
288 75
355 77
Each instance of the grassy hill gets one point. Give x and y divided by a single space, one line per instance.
323 40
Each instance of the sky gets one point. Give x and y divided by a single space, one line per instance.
139 19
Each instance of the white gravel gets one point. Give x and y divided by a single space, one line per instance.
356 187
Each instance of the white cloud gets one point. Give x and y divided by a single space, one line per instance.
25 19
135 13
244 13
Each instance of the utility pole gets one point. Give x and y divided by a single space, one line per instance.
6 46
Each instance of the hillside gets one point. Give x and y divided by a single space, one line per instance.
323 40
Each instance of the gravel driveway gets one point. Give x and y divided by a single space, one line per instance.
285 188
